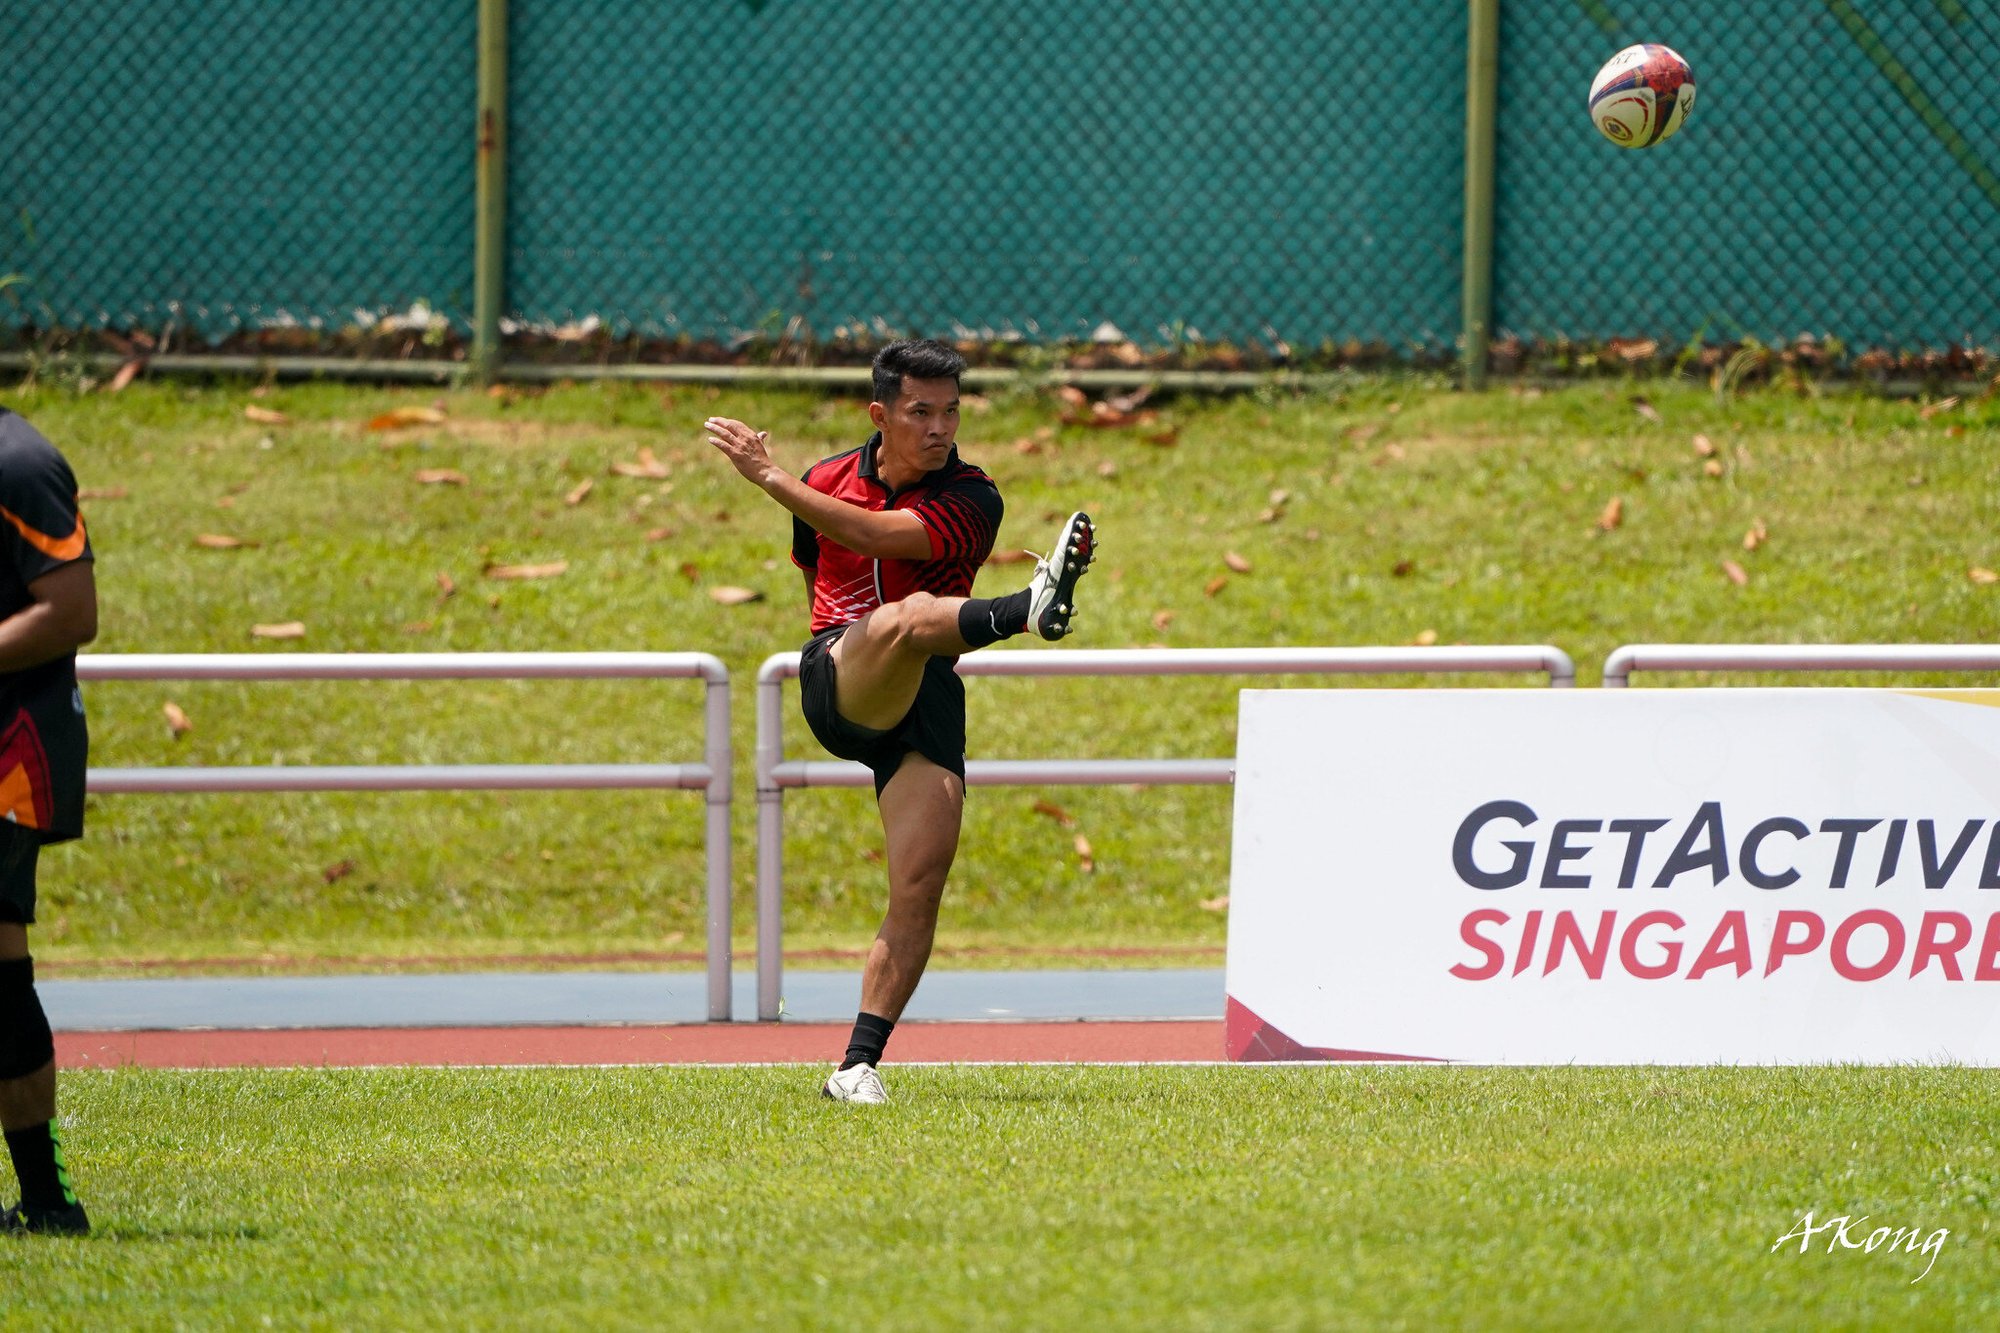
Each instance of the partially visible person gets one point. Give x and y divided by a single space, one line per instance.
48 609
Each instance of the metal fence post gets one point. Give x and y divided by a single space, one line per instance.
489 242
720 867
770 836
1482 77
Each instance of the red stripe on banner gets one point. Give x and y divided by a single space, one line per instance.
1250 1038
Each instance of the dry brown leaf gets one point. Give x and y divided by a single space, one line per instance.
1215 904
1713 467
1982 576
1613 515
1027 446
1632 349
543 571
1131 401
1107 469
1236 562
339 870
1402 569
419 626
226 502
440 476
216 541
1053 811
872 855
647 466
126 374
177 720
724 594
1941 405
1005 557
1736 573
102 493
401 418
691 571
1164 439
1704 446
1756 536
1646 410
577 493
1215 585
1363 433
447 585
658 534
290 629
1085 859
265 416
1161 619
1103 416
1425 638
1072 395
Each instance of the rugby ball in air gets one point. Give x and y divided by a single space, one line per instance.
1642 96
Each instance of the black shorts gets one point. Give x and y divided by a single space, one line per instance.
934 727
19 850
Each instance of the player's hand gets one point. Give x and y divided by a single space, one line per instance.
744 447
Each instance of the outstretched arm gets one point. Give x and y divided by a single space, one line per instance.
893 533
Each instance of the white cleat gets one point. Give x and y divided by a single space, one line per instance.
1052 591
860 1085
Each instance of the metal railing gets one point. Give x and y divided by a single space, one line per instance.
775 773
1619 667
712 775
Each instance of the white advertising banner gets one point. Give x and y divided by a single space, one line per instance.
1673 876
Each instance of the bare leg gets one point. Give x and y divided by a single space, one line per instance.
921 809
31 1099
879 661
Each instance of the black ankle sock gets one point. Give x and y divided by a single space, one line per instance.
38 1161
984 620
871 1034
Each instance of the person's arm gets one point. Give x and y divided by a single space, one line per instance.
61 618
890 534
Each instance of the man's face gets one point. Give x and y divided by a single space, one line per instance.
919 427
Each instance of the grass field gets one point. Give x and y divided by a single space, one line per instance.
1020 1197
1386 512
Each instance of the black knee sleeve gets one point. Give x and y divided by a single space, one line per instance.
26 1044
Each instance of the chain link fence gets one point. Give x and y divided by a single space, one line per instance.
1261 171
1269 180
1836 179
204 167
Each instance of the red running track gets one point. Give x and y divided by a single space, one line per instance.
1125 1042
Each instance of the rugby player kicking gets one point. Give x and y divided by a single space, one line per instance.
889 536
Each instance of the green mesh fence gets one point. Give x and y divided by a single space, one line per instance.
218 165
1270 172
1837 177
996 168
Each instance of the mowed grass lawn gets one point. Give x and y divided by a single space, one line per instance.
1385 512
1022 1197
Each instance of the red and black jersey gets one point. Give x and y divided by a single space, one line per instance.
958 504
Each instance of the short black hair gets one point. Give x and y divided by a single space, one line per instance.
917 359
